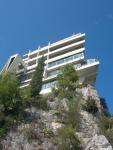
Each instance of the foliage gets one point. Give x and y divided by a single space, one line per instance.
2 132
73 111
9 91
106 123
106 128
69 94
55 92
67 139
48 132
25 95
104 107
109 136
40 102
31 134
11 107
68 79
2 119
90 106
36 83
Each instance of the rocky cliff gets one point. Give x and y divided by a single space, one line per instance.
39 132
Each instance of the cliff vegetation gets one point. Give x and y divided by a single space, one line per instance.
71 117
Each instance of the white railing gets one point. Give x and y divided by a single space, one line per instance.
76 66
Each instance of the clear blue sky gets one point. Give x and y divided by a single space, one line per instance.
26 24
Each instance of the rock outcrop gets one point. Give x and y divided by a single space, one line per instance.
89 131
37 133
98 142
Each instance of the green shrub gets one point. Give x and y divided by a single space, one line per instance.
106 128
41 103
57 113
9 122
104 107
68 94
72 116
55 92
2 119
106 123
68 78
48 132
30 134
109 136
67 139
10 102
90 106
26 95
9 91
2 132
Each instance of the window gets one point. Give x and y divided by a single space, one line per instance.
77 66
20 66
32 56
53 73
67 59
49 85
32 63
25 56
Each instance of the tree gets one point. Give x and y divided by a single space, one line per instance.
68 139
104 106
9 91
36 83
11 104
68 79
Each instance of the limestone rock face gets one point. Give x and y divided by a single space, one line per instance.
35 134
89 134
89 131
90 91
99 142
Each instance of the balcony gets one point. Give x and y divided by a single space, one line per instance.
20 71
67 41
68 48
88 63
64 61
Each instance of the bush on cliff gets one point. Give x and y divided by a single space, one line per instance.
67 139
9 92
11 107
68 78
106 128
90 106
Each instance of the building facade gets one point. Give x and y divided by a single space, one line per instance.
70 50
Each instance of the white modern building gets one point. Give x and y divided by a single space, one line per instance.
67 51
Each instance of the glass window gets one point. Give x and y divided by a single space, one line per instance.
65 60
25 56
49 85
53 73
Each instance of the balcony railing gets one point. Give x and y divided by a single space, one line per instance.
20 71
64 60
49 85
76 66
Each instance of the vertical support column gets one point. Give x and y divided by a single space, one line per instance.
28 56
37 55
48 53
47 59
